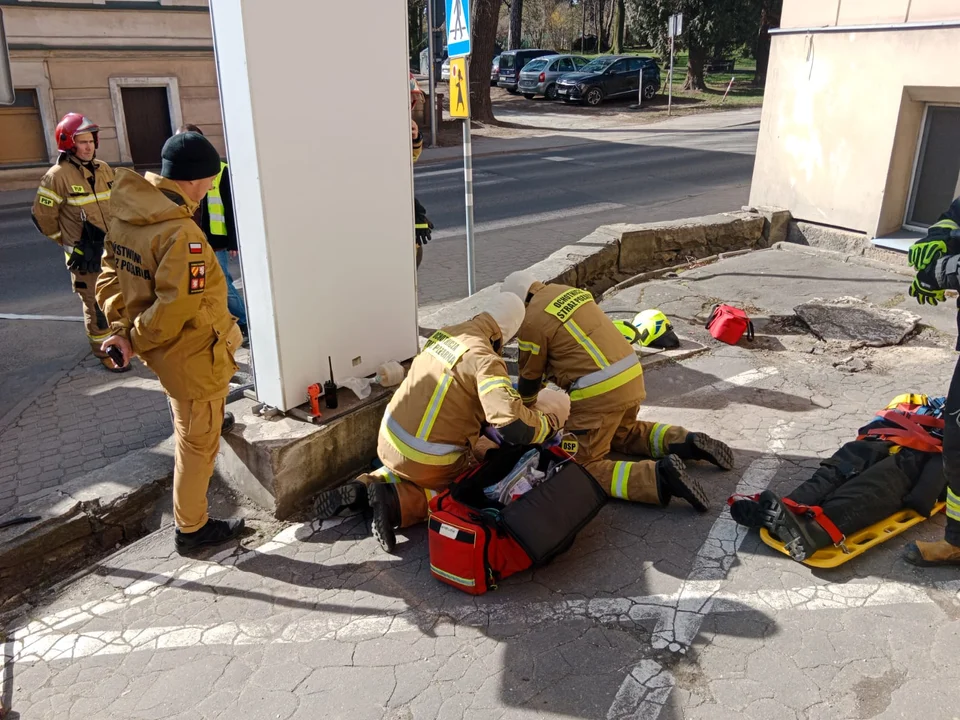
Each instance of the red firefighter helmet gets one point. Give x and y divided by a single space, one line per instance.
74 124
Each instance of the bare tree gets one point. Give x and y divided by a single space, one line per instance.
485 15
620 27
516 24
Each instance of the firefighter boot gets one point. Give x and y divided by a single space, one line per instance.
214 532
672 480
385 504
700 446
748 513
932 554
352 496
801 535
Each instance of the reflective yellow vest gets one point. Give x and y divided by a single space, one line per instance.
218 218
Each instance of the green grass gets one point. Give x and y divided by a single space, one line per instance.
742 94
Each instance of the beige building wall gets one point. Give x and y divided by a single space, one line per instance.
843 111
78 55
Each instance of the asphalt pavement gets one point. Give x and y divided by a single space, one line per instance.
528 203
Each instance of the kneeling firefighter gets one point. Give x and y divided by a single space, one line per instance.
937 261
568 339
457 384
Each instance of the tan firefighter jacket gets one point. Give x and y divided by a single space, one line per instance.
457 383
162 286
68 193
566 338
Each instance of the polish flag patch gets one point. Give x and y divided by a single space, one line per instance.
196 248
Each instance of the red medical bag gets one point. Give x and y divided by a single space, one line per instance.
475 542
728 324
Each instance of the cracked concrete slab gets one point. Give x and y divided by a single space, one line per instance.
658 614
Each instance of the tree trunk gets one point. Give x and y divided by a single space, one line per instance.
695 64
619 28
583 28
600 25
769 18
485 15
516 25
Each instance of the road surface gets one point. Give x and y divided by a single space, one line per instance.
527 206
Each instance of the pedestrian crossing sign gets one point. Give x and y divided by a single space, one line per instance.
459 89
458 28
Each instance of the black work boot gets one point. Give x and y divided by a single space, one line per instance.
672 480
228 422
352 496
802 536
213 533
385 504
700 446
748 513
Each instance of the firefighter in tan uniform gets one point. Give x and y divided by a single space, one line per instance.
457 383
566 338
72 208
166 300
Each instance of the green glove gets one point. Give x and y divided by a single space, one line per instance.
925 252
925 294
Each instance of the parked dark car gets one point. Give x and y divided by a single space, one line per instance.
495 72
512 62
610 76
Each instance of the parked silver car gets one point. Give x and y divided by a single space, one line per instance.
539 76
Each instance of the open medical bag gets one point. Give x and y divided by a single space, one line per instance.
475 542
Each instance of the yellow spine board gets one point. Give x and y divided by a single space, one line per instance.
860 541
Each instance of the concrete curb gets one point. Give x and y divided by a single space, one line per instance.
84 517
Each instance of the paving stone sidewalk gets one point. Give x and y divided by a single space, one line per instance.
654 614
85 421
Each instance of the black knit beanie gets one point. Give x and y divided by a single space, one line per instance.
189 156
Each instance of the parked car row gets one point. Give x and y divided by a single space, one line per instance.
572 78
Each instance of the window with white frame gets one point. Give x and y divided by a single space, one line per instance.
936 175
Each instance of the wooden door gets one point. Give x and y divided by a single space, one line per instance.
147 114
21 131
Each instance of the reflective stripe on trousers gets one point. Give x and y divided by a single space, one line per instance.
953 505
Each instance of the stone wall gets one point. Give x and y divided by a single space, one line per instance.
614 253
842 241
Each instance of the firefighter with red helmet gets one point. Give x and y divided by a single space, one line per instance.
72 208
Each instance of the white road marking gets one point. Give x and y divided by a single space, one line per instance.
48 645
57 318
433 173
558 158
679 621
533 219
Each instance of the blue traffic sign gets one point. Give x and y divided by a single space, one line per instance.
458 28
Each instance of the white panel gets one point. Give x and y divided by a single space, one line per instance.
318 142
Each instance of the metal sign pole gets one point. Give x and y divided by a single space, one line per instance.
670 76
432 76
468 187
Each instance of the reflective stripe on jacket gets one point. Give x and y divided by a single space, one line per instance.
566 338
70 193
215 207
457 383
